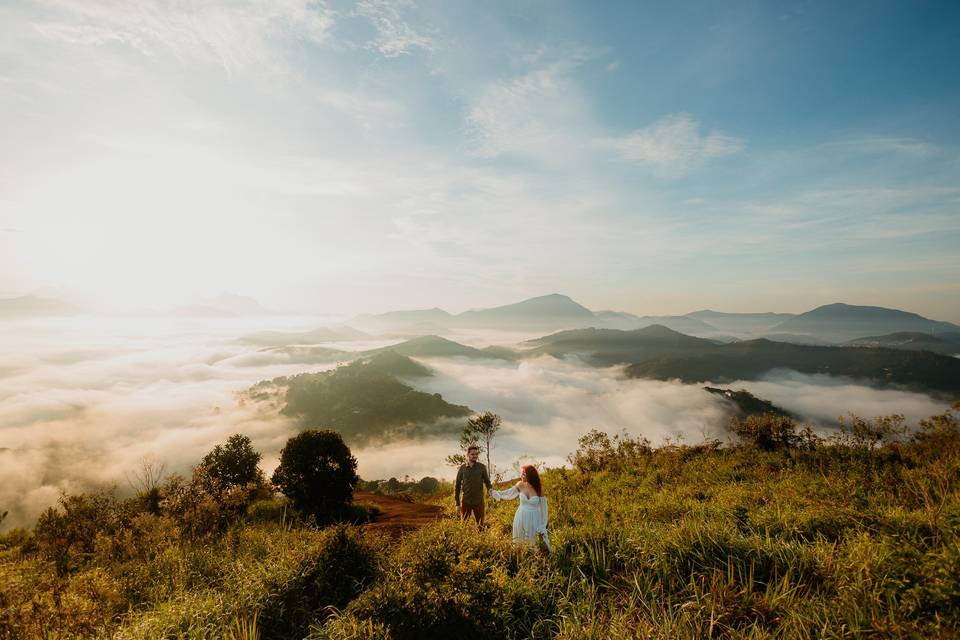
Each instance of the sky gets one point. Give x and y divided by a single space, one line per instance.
337 157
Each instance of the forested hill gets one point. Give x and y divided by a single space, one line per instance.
364 400
604 347
750 360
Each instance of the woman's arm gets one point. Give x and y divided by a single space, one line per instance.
544 512
506 494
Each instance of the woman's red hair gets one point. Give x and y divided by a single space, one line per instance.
533 478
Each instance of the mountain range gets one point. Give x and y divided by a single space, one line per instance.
828 324
836 323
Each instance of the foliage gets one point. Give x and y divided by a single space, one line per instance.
232 464
67 534
145 482
317 472
598 451
767 432
479 432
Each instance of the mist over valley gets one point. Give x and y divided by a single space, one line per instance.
86 398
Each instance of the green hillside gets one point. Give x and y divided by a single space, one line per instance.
364 400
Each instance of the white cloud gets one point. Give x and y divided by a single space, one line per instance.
673 145
538 113
396 36
511 116
232 35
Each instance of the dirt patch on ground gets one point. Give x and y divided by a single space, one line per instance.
398 515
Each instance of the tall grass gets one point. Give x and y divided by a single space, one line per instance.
855 538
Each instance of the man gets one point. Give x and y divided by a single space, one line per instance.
471 478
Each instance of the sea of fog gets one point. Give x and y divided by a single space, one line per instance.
83 401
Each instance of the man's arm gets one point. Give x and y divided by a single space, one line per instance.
486 478
456 487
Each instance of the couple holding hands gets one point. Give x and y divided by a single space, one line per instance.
529 522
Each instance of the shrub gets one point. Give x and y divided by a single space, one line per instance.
200 511
767 432
317 472
67 534
861 433
938 435
598 451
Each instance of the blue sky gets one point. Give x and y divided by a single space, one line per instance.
344 157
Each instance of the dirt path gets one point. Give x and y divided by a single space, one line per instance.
396 515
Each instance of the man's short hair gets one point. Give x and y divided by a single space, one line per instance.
473 447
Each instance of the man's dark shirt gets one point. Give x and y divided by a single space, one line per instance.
472 480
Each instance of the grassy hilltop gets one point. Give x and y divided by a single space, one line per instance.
784 535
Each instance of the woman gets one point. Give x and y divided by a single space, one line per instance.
531 517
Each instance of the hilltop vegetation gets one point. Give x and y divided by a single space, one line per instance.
747 404
363 400
784 535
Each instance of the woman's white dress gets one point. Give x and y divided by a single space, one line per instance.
530 519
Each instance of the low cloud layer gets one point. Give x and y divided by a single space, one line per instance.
82 404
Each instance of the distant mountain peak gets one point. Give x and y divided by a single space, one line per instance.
840 322
658 330
553 304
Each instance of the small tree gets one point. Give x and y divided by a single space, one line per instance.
145 482
480 430
233 464
317 472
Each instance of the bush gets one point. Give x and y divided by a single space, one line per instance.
767 432
598 451
860 433
67 534
938 435
200 511
317 472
